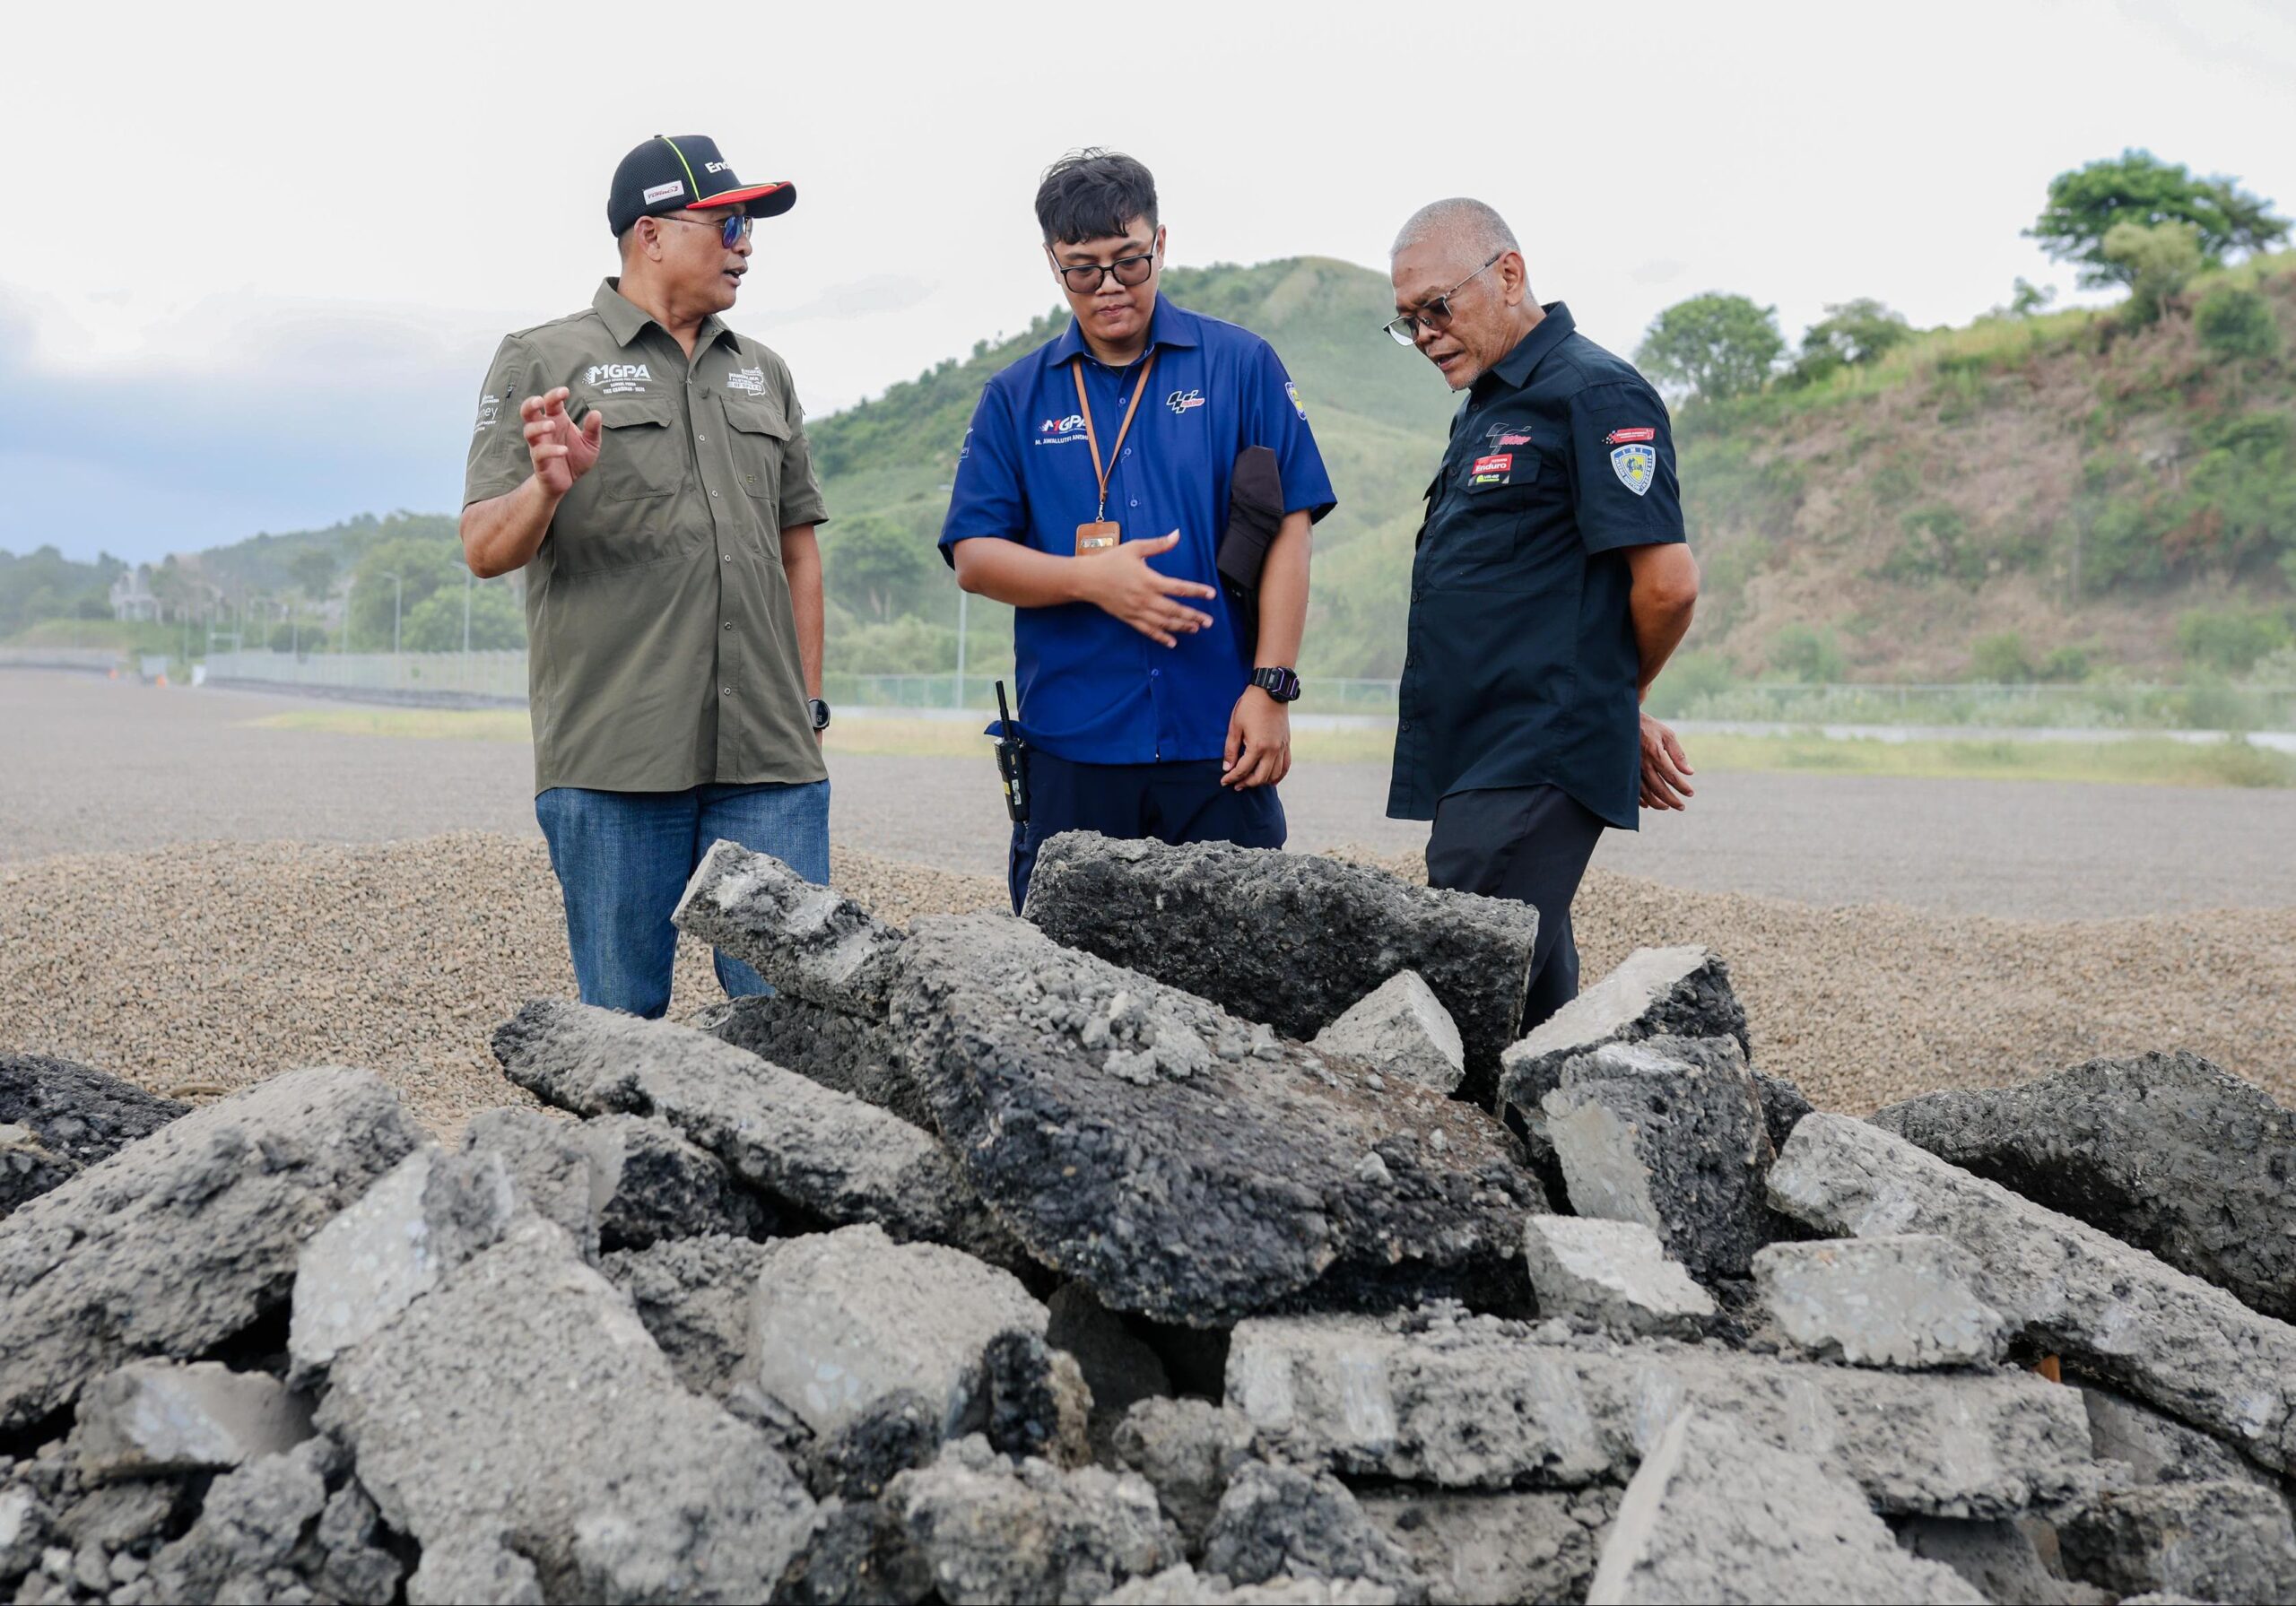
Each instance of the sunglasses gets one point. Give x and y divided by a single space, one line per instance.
731 229
1130 272
1435 315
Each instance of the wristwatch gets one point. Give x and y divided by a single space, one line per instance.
819 711
1282 684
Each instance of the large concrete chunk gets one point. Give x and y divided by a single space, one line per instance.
1658 992
1613 1274
57 1119
992 1531
854 1053
840 1320
187 1238
151 1417
1999 1559
2211 1542
1279 1522
1482 1404
694 1296
804 1146
1189 1449
2116 1313
2164 1151
521 1405
1642 1135
1713 1515
1401 1029
2159 1449
1292 940
807 941
620 1181
1910 1301
1540 1545
1183 1163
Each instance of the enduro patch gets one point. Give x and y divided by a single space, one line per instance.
1636 466
1498 469
1621 436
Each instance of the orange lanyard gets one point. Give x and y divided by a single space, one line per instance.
1092 439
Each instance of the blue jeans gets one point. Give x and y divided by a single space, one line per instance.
623 859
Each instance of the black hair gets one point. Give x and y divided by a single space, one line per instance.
1093 195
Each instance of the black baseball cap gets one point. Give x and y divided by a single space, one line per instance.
680 173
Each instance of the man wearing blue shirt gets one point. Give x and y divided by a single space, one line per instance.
1091 494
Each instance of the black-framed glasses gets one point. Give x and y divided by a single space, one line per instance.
1433 315
1085 277
732 228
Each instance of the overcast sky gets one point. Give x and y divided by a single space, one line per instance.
255 259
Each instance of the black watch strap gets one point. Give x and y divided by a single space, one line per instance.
1282 684
819 711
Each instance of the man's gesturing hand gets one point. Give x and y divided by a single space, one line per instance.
561 452
1663 766
1121 584
1259 742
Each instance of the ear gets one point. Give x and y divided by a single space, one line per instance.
1514 278
1160 240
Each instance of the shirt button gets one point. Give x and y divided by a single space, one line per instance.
729 557
713 494
702 437
729 624
728 691
1154 672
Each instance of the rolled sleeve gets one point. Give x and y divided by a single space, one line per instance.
1623 446
1278 419
986 498
802 502
499 462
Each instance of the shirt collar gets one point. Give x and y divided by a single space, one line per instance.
1168 325
624 319
1519 365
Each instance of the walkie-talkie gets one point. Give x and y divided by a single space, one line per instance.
1009 750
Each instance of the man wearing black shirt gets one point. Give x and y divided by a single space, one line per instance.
1549 587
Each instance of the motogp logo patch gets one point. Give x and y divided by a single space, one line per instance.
1181 401
1636 466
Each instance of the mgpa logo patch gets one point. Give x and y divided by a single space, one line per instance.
1636 466
618 379
1060 432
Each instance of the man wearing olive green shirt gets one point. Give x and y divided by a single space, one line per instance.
647 467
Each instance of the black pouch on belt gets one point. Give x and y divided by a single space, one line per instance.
1255 513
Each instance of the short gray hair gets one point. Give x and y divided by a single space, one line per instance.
1470 228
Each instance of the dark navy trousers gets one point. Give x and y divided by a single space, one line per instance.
1530 844
1173 802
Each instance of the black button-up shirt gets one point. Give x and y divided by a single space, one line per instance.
1521 666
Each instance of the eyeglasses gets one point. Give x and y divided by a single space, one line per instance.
1435 315
1086 277
732 228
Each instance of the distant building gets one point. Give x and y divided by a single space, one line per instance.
131 597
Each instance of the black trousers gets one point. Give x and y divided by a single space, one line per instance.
1175 803
1530 844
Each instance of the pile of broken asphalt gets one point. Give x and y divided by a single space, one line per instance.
1121 1253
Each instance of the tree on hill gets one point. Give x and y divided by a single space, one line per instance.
435 624
314 570
1851 333
874 567
1712 347
2085 204
2157 260
424 565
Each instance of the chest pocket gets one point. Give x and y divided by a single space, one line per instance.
642 453
759 434
1478 521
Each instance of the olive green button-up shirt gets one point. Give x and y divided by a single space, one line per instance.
662 650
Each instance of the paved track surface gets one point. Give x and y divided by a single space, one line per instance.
89 765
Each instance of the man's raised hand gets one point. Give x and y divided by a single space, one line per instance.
560 452
1121 583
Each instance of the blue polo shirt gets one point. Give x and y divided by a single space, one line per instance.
1093 690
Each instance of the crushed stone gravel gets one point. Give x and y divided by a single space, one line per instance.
196 970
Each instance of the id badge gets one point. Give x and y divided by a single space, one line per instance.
1100 536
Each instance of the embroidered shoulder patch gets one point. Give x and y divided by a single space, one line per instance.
1636 466
1621 436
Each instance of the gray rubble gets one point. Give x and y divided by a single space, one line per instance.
840 1319
1641 1134
1910 1300
1477 1402
2159 1449
57 1119
1183 1585
1187 1449
1293 940
811 941
186 1238
1121 1369
569 1436
1278 1522
807 1147
992 1531
2213 1541
2114 1312
632 1180
2164 1151
1183 1163
1613 1275
854 1053
1713 1514
1536 1545
1401 1029
1998 1559
694 1296
151 1417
